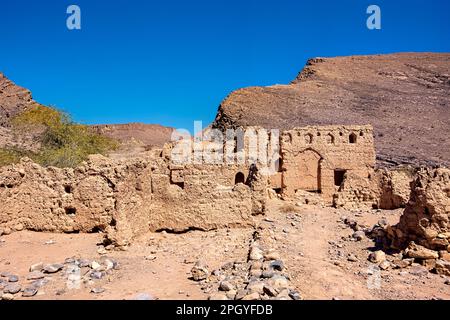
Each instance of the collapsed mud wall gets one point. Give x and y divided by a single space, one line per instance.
89 198
423 232
384 189
126 198
426 219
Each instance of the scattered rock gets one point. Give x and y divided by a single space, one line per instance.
144 296
418 271
60 292
352 258
278 282
29 292
255 286
231 294
270 291
13 278
252 296
82 263
442 267
7 297
53 268
200 271
419 252
385 265
402 263
150 257
227 266
295 295
7 231
277 265
377 256
218 296
37 267
430 264
358 235
267 274
12 288
94 265
226 286
256 253
109 264
240 294
35 275
19 227
272 255
97 290
39 283
97 275
444 255
102 251
216 272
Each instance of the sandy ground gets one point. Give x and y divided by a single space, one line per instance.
313 243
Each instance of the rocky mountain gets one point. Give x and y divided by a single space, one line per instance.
406 97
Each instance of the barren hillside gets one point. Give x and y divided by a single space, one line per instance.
406 97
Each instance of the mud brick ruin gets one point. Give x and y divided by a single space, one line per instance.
316 159
126 198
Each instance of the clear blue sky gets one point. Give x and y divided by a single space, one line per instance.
172 62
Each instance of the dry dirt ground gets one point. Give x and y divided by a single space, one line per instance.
313 242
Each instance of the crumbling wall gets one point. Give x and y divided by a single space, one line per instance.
126 198
384 189
426 219
201 197
85 199
423 233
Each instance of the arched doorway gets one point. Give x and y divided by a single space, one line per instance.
308 165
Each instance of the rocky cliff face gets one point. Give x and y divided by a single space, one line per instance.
406 97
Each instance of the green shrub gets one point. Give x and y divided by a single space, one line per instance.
63 142
8 156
